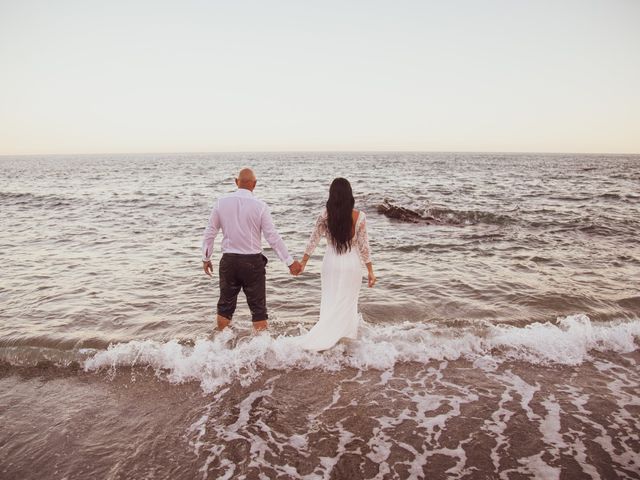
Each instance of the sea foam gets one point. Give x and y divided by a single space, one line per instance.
227 358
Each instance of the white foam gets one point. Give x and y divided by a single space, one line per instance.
226 358
299 442
579 400
550 425
536 466
500 418
568 342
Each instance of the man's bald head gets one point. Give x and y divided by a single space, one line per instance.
246 179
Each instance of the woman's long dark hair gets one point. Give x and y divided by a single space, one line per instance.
339 214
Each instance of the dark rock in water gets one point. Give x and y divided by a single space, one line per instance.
441 215
403 214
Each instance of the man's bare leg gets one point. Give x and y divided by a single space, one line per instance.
259 325
223 322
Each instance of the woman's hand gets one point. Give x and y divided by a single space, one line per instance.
372 279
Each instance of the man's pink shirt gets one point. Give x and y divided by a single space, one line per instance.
243 219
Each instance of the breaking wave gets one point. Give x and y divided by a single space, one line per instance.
234 356
226 358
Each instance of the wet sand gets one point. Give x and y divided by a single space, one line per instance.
438 420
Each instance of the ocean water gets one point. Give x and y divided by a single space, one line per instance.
501 341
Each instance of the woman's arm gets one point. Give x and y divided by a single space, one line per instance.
319 230
371 275
362 242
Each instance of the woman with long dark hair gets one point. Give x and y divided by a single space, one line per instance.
347 248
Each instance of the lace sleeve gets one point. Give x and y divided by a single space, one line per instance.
362 240
319 231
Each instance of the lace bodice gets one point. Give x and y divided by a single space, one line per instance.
360 240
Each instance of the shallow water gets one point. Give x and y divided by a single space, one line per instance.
500 342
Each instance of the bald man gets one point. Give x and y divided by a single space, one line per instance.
243 219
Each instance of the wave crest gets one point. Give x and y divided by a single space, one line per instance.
228 358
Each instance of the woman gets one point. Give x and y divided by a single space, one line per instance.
347 244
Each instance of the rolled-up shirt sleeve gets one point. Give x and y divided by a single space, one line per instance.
272 236
210 233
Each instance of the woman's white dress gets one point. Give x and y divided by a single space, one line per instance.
341 282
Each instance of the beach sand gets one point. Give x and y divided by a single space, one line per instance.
438 420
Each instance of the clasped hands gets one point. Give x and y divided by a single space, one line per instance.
296 268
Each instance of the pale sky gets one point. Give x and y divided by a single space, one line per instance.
202 76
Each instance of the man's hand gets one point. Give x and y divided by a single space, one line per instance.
208 268
295 268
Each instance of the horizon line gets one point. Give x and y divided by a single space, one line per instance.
210 152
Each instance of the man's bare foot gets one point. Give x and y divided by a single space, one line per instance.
260 325
223 322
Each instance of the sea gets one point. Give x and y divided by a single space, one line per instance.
502 340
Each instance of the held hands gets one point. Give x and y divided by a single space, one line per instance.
295 268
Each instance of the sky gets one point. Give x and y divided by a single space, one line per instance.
135 76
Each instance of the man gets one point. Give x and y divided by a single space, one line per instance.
243 219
